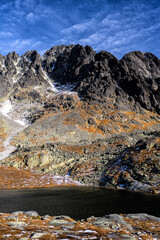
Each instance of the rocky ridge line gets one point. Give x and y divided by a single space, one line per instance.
134 79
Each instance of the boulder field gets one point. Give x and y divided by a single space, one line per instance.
29 225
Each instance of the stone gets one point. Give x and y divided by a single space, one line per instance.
105 223
31 214
43 160
119 219
12 217
17 225
24 238
138 186
46 217
143 216
62 217
37 235
57 222
17 212
127 237
32 160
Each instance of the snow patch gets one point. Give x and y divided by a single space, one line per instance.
52 85
87 231
2 64
59 89
21 122
37 87
18 72
7 148
49 81
6 107
59 180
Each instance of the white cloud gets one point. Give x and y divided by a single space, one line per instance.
6 34
94 39
37 44
80 27
110 22
30 17
18 44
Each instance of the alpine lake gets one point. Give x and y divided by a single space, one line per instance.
78 202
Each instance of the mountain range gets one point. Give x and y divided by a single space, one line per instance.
83 114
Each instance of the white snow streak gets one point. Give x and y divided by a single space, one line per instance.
8 148
5 109
21 122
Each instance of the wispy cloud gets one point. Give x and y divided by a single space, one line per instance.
115 26
6 34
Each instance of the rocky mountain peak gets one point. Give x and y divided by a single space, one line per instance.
69 64
145 64
12 56
50 56
133 81
142 79
32 55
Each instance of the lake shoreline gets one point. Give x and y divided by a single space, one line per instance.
12 178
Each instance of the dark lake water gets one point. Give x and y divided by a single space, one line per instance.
78 202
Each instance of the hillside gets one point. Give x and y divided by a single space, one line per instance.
84 114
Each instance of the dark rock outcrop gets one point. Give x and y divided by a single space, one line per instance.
142 80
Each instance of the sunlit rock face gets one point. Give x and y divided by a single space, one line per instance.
84 114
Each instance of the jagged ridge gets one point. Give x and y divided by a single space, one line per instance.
134 79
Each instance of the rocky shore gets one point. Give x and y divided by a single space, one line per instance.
29 225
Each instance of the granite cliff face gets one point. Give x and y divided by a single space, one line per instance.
84 114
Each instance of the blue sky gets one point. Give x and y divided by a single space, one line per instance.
117 26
